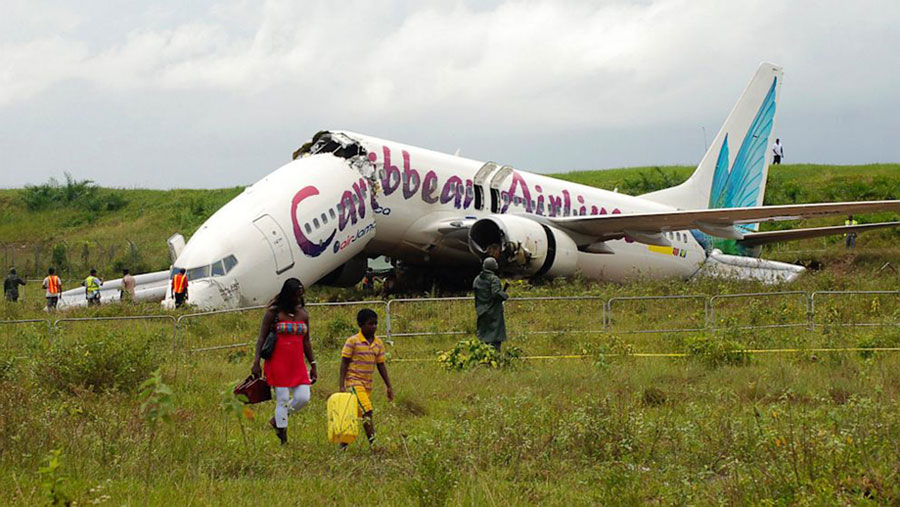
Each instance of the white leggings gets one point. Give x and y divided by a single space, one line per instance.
284 405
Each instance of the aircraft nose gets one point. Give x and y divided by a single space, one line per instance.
207 294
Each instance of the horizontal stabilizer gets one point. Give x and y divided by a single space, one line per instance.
763 238
605 227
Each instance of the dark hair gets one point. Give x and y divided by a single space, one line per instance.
365 315
51 271
125 271
182 270
93 271
287 300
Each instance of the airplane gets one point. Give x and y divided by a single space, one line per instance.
347 197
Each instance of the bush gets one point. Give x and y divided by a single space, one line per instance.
469 354
84 194
336 332
717 352
110 363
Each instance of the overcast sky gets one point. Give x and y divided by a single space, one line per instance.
209 94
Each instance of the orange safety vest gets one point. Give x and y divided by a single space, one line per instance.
179 283
53 284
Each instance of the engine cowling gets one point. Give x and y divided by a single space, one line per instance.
523 246
348 274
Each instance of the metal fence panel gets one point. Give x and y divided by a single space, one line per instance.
759 310
330 323
855 308
684 315
551 315
430 317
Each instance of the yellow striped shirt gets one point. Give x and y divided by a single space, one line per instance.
363 358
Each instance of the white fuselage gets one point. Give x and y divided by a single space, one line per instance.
319 211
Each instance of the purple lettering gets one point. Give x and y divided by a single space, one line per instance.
470 194
358 190
347 210
410 187
518 182
451 191
429 185
390 179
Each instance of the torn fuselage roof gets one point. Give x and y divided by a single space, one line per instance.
337 143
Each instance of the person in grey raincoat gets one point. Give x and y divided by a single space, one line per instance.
489 298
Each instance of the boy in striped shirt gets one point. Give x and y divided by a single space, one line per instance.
362 353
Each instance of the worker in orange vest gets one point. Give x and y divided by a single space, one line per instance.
180 288
53 285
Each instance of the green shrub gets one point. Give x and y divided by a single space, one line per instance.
336 332
469 354
717 352
109 363
84 194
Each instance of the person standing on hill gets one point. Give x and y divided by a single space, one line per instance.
11 286
850 237
92 286
53 286
180 288
128 285
489 298
778 152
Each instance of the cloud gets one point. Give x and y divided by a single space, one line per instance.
523 68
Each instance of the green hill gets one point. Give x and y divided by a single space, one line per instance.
75 225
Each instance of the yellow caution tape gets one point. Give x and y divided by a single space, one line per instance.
680 354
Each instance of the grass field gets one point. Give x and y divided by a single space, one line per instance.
718 425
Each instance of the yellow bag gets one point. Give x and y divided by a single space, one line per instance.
343 424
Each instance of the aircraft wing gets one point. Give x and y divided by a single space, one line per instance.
720 222
763 238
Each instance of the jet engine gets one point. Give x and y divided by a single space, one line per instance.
523 246
348 274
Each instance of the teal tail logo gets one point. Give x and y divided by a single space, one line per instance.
741 185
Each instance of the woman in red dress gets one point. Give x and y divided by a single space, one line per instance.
286 369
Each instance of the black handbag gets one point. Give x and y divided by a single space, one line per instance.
268 346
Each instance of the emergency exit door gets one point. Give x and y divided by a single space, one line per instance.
275 237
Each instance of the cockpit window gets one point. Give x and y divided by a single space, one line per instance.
198 273
230 262
219 268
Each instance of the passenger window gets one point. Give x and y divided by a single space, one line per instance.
324 219
308 228
218 268
316 223
331 212
230 262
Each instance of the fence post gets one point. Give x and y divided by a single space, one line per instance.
387 319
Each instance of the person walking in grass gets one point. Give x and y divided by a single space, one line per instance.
126 294
53 286
361 355
92 286
11 286
489 298
286 369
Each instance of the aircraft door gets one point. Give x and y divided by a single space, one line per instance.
275 237
480 178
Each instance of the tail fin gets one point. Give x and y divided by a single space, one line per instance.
733 172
